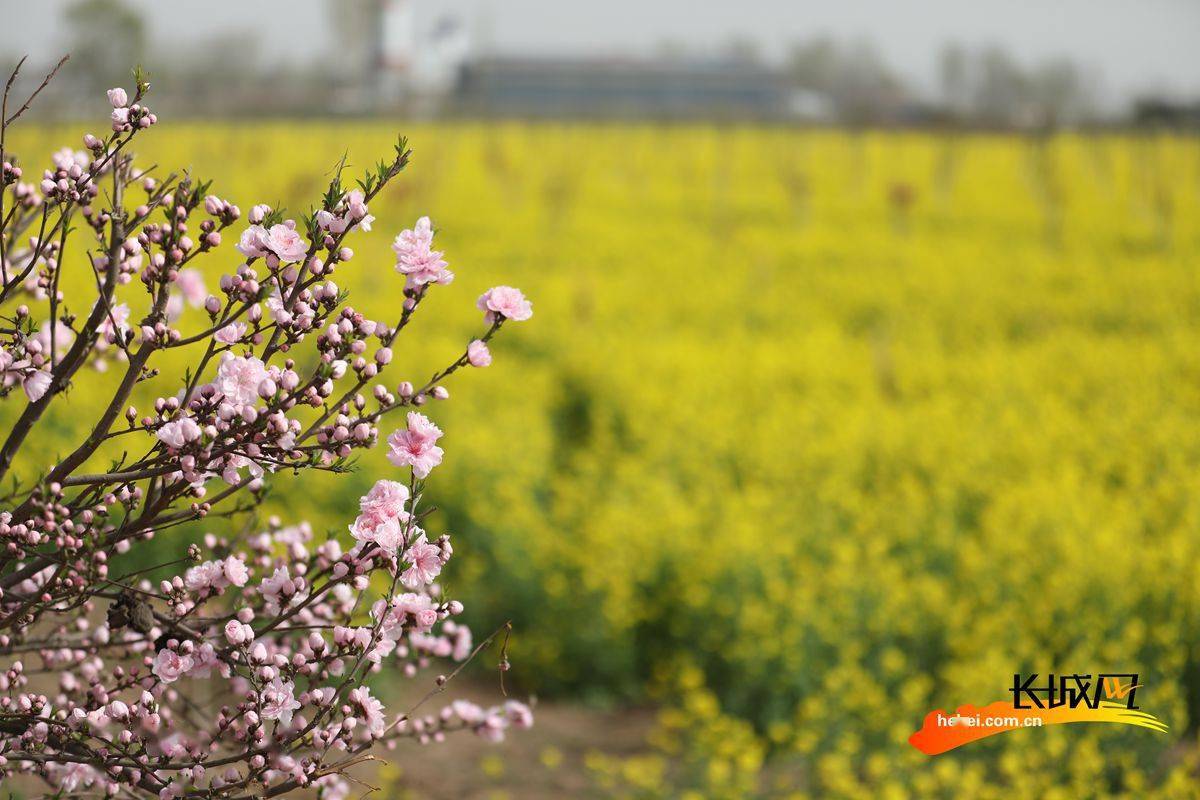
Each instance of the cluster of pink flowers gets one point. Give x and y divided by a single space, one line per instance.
351 212
416 258
125 115
290 627
282 242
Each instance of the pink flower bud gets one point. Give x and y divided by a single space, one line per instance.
478 354
118 98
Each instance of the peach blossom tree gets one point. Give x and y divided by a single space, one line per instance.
102 668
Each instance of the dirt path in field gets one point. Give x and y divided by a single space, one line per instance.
545 762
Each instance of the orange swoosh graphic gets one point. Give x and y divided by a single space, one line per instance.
933 739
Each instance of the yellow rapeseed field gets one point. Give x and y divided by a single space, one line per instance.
811 433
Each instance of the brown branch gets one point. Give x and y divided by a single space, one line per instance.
45 82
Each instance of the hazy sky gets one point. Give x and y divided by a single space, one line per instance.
1132 44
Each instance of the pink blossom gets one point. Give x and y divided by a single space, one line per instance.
478 354
11 370
174 307
169 665
191 283
353 213
356 209
235 571
279 702
386 499
426 561
493 726
116 319
328 221
387 533
177 433
253 242
72 776
216 574
235 632
424 619
238 378
415 446
371 708
518 714
276 306
63 338
203 660
117 97
208 575
35 384
356 204
231 333
236 462
504 302
416 258
417 606
286 242
467 711
276 586
463 644
66 158
419 237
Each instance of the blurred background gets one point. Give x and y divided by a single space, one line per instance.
863 372
990 64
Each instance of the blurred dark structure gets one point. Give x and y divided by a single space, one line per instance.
1162 113
658 88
